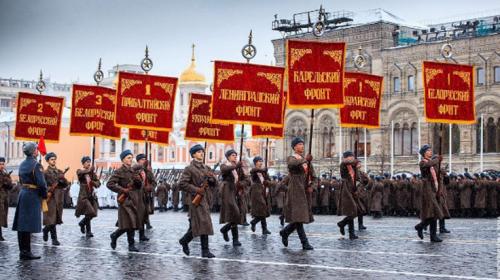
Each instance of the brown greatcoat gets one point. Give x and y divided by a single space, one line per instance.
465 188
175 195
387 193
162 194
87 200
259 193
416 193
349 201
324 193
131 211
451 197
481 191
232 198
298 201
5 186
430 205
148 192
377 194
55 177
492 196
192 178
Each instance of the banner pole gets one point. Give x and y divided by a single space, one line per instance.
266 152
392 148
365 153
449 147
481 144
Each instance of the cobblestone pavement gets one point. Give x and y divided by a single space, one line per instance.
388 249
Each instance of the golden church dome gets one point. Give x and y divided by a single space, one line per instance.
190 76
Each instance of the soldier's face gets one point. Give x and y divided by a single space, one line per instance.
127 160
86 164
232 157
2 166
142 161
299 148
428 153
259 164
349 158
199 155
52 161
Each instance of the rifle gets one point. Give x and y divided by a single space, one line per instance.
197 199
52 188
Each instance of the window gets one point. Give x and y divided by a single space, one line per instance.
210 155
396 84
112 146
398 140
497 74
414 139
480 76
5 103
124 144
172 155
160 153
411 83
136 148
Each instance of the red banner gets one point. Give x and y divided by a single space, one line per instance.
315 74
449 93
362 99
247 93
145 101
93 112
38 115
139 135
198 126
267 132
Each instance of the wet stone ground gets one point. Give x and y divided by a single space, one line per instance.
388 249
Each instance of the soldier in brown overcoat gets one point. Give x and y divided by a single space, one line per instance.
87 200
377 194
195 181
465 186
5 186
480 190
259 193
147 193
298 199
162 195
56 183
175 195
128 184
233 185
324 194
349 201
279 196
431 210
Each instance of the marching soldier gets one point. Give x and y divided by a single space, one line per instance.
56 183
259 193
127 184
175 195
87 204
148 190
233 185
279 196
324 194
377 194
195 181
27 219
162 195
298 204
431 210
349 201
5 186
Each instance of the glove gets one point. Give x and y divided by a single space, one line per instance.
309 157
125 190
239 164
309 190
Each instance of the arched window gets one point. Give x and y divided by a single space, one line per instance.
414 139
491 136
406 140
398 148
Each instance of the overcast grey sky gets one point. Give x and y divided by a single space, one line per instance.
65 38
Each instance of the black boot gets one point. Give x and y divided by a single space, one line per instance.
131 241
114 237
88 229
82 225
253 223
285 232
263 223
148 225
184 241
142 235
234 232
224 230
45 231
433 235
442 228
420 230
1 236
24 239
342 225
303 238
205 252
352 235
282 220
360 223
53 236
